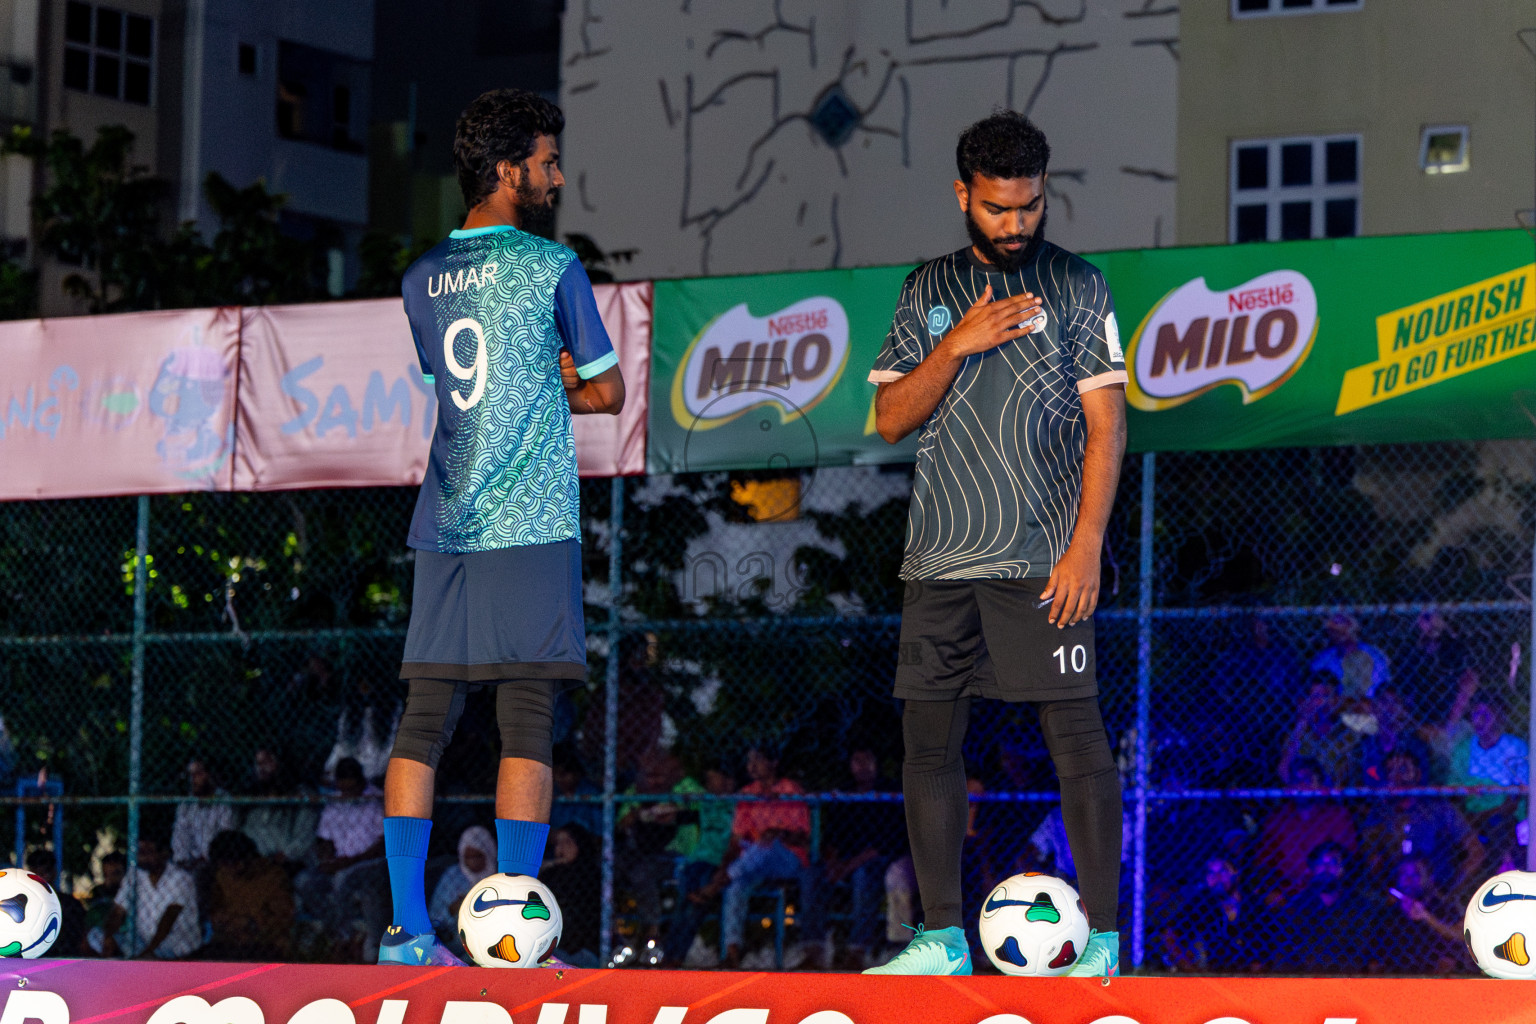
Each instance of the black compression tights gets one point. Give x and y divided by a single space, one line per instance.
933 779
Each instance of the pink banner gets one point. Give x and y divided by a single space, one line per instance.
331 395
259 399
136 992
139 403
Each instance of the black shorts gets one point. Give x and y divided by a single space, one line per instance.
990 638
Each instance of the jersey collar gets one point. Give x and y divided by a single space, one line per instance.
477 232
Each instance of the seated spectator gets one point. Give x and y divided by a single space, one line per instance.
1435 668
1357 667
1420 927
1414 826
643 837
349 879
1294 830
1394 731
250 902
1320 734
703 836
72 927
1322 928
860 841
477 862
570 782
1218 926
1483 754
283 833
770 841
166 926
573 870
1255 678
197 823
99 904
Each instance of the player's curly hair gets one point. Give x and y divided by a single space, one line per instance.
1005 145
503 124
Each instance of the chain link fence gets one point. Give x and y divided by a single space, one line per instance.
1312 662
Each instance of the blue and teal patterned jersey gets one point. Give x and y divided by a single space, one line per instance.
490 309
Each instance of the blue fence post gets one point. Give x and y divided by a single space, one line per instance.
1143 711
611 722
136 717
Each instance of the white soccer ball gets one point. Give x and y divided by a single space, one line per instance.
1033 924
29 914
1501 925
509 921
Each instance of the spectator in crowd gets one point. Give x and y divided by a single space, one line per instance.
1419 926
166 926
770 841
250 902
1290 834
1432 671
704 836
72 927
98 905
1320 733
1483 754
644 834
282 832
349 878
197 823
573 870
571 783
1322 928
859 842
477 862
1049 851
1389 729
1425 827
1219 926
1357 667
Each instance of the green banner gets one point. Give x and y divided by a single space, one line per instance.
1345 341
767 372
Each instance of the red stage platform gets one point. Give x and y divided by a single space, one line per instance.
116 992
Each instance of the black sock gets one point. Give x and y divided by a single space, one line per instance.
1090 802
933 781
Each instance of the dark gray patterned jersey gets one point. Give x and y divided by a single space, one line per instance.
1000 461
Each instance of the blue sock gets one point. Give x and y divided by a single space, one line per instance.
405 849
520 846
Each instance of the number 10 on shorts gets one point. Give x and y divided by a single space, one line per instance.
1078 657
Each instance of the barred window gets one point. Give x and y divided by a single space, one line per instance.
108 52
1299 187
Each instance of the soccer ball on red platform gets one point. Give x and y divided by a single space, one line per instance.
1500 925
1034 925
29 914
509 921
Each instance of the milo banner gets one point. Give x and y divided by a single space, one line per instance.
1346 341
769 371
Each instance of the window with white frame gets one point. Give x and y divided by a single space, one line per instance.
1444 149
1300 187
1271 8
108 52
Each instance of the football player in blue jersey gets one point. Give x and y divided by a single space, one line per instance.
508 334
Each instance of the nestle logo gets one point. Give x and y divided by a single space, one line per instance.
1260 298
798 323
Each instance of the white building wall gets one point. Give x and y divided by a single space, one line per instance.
688 137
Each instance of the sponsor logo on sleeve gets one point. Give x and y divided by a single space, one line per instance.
1253 337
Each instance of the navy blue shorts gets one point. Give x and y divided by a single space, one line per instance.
514 613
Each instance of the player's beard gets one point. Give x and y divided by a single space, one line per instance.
992 249
536 213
